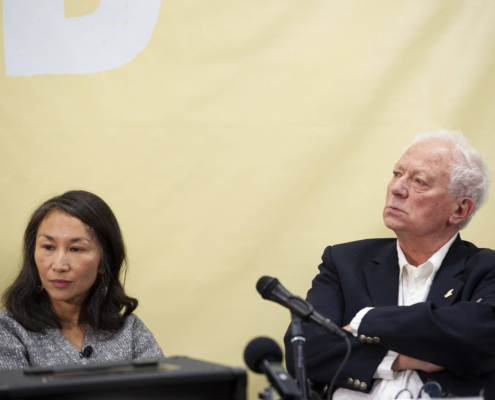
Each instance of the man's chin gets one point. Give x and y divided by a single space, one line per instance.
393 224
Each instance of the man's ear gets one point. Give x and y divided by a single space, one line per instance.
465 207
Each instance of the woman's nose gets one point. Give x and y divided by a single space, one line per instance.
60 261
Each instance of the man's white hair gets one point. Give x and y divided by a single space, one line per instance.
470 175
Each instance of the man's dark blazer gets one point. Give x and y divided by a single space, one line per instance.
456 332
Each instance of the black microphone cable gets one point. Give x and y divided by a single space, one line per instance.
337 373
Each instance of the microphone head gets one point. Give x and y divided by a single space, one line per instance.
88 350
259 349
265 286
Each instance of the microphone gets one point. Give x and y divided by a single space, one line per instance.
263 355
271 289
259 349
86 353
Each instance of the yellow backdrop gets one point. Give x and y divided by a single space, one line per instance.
244 138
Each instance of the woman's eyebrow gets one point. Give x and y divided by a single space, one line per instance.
77 239
47 236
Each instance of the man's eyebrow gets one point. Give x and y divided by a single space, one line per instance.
420 172
414 171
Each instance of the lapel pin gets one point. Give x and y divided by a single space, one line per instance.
449 293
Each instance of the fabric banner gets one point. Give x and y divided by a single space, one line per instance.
232 139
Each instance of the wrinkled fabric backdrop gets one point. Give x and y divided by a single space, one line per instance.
232 139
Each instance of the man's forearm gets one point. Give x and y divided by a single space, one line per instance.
403 362
425 332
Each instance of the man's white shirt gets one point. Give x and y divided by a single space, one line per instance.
414 286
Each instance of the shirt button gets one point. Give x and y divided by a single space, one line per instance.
357 382
376 340
362 338
350 381
363 386
369 340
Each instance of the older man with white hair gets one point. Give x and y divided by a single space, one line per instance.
447 331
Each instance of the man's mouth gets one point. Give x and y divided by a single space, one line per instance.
396 210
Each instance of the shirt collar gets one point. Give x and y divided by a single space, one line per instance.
436 259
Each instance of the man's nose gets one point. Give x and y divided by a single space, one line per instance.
61 262
399 187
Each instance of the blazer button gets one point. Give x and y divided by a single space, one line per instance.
369 340
356 382
376 340
362 338
363 386
350 381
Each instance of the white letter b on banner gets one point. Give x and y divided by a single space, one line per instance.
40 40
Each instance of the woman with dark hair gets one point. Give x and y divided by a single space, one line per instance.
68 305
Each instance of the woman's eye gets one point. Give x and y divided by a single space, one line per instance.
47 247
76 249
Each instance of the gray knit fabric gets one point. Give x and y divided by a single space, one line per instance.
20 348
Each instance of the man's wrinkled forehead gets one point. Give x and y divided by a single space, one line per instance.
432 157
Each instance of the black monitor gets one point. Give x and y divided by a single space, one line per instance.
177 378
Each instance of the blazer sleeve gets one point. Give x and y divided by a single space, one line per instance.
459 337
323 352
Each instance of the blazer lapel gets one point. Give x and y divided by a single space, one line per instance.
382 277
453 264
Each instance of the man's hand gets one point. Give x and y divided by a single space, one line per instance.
403 362
347 328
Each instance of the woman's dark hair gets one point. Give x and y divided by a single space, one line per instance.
106 305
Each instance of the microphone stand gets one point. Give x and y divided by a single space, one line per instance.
297 341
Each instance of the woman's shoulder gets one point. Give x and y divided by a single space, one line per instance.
139 330
4 314
132 318
7 320
133 321
144 343
9 326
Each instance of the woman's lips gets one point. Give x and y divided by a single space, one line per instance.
60 283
